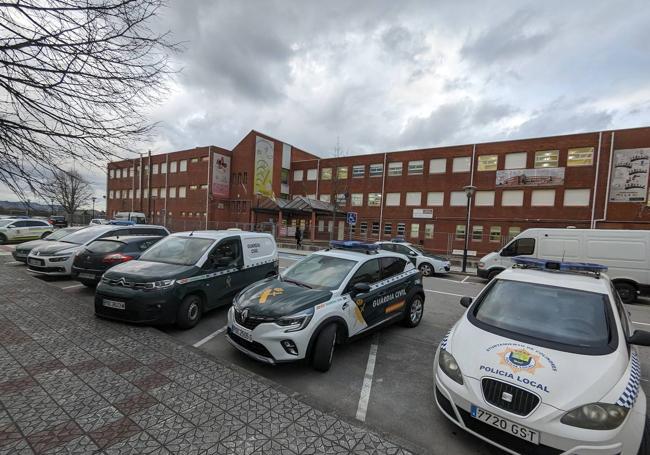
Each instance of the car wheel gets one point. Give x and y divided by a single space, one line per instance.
426 269
89 284
413 311
493 273
3 239
626 292
189 312
324 348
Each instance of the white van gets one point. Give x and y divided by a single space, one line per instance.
626 253
136 217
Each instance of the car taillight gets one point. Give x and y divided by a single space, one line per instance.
116 258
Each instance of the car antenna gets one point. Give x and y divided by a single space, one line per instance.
191 233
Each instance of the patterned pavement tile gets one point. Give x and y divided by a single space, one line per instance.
271 424
98 419
227 399
245 441
152 416
344 434
291 408
139 443
270 398
323 446
170 429
114 432
120 394
231 379
296 438
198 441
147 356
54 437
250 387
208 390
192 380
167 391
38 417
43 367
202 413
9 434
13 386
248 410
11 370
162 365
85 365
122 366
85 406
136 403
316 421
184 401
80 446
375 445
16 447
151 381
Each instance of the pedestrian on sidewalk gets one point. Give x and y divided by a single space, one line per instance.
298 238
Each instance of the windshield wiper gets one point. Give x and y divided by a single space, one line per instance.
297 282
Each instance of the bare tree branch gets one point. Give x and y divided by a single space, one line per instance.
69 190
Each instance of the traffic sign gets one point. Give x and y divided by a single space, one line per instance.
352 218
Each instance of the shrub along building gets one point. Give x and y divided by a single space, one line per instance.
597 180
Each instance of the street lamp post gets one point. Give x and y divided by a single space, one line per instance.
93 199
469 192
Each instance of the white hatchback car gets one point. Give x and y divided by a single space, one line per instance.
543 361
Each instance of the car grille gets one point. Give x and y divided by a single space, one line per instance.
251 321
126 284
252 346
522 403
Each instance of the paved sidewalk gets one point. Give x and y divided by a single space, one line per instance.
72 383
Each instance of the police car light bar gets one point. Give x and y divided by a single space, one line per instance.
121 222
354 245
562 266
398 239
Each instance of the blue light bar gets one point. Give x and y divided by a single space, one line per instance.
353 245
122 222
548 264
398 239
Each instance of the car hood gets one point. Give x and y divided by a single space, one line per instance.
140 271
275 298
437 258
31 245
563 380
52 248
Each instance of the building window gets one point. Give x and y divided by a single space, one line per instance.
547 158
145 193
388 228
460 232
130 172
376 170
374 199
137 193
163 168
543 198
512 198
583 156
321 225
205 158
311 196
375 228
495 233
457 199
416 167
284 177
154 169
576 198
477 233
341 200
326 173
154 192
513 231
204 187
435 198
358 171
182 191
428 231
172 168
516 160
312 174
401 228
325 198
394 169
363 228
484 198
487 162
414 199
163 193
356 199
342 172
194 187
392 199
438 166
195 160
297 175
172 192
245 180
415 230
111 173
111 194
461 164
182 213
183 165
131 194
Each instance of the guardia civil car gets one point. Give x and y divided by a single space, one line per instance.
329 297
544 362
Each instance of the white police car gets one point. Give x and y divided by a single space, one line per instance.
428 264
543 361
329 297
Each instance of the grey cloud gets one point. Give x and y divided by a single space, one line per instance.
489 112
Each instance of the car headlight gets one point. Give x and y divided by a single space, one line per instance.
160 284
449 365
297 321
481 265
60 259
596 416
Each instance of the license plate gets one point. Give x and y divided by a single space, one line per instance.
242 332
505 425
34 261
113 304
89 276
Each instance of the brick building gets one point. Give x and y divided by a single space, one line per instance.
597 179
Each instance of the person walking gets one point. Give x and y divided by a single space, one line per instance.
298 238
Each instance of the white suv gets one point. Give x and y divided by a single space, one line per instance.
543 361
18 230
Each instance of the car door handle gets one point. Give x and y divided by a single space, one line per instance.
345 305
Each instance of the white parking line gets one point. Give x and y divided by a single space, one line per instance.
72 286
367 381
209 337
640 323
448 293
452 281
465 279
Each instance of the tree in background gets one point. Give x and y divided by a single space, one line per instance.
69 189
75 80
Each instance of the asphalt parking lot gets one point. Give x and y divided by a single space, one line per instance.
384 379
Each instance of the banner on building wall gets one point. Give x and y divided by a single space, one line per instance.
423 213
263 167
552 176
220 175
629 181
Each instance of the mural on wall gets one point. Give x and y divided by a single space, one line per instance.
530 177
629 181
220 175
263 167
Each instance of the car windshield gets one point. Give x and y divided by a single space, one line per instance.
177 250
60 233
319 271
548 313
83 236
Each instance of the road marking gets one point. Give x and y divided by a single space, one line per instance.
447 293
465 279
453 281
72 286
209 337
367 381
640 323
13 263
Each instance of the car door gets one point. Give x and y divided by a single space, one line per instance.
37 229
393 293
19 231
225 265
369 273
406 251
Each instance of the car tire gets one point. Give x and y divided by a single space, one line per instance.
189 312
427 269
89 284
413 311
492 274
626 291
3 239
324 348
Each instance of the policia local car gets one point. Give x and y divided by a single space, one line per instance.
544 362
427 264
185 274
328 297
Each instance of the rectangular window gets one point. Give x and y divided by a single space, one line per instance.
514 231
325 197
438 166
130 194
163 168
172 192
194 187
312 174
163 193
428 231
356 199
118 194
484 199
547 158
374 199
401 228
363 228
460 232
341 200
457 199
297 175
487 162
321 225
145 193
358 171
154 192
416 167
154 168
576 198
461 164
477 233
205 158
205 187
172 166
311 196
435 198
326 173
111 194
195 160
137 193
583 156
182 191
512 198
414 199
415 230
375 228
516 160
495 233
388 228
543 198
284 177
111 173
376 170
342 172
130 172
393 199
394 169
183 165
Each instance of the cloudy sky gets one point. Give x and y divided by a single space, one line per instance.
388 75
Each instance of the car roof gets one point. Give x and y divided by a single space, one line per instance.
110 227
570 280
218 235
131 238
357 256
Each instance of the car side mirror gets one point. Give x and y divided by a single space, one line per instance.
413 253
640 338
466 301
360 288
